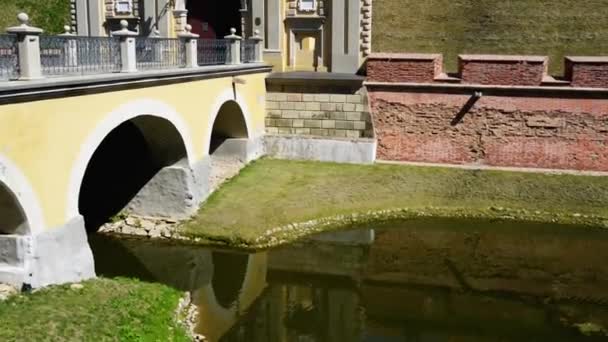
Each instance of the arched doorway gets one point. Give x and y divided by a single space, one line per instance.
12 217
213 19
127 159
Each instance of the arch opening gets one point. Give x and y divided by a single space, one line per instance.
229 124
12 217
124 162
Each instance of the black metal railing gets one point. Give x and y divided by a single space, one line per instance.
73 55
159 53
248 51
213 51
9 57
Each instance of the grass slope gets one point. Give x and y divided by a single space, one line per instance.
271 193
548 27
50 15
104 310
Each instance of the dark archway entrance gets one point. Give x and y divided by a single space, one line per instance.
125 161
214 18
229 124
12 216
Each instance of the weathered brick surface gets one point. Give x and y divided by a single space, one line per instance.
587 71
415 68
502 70
541 132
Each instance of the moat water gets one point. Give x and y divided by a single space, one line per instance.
430 280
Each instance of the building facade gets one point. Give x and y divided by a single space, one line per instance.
299 35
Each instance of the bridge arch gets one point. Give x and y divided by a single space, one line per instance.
230 118
124 152
20 211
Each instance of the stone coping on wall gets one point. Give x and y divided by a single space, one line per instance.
313 79
504 58
587 59
497 90
404 56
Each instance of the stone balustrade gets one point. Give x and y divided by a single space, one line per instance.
25 54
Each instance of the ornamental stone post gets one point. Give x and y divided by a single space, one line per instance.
128 57
234 56
70 48
28 44
190 45
259 46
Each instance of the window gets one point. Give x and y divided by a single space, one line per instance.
124 7
307 5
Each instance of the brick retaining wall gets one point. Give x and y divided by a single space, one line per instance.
498 125
498 130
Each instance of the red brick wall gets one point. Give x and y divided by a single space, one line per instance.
540 132
416 68
503 70
587 71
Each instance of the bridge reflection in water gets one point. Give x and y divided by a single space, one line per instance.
431 280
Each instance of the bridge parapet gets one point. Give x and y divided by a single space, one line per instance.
26 54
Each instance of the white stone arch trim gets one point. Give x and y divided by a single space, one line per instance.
227 96
126 112
12 177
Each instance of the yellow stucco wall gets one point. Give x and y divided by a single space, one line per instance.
45 138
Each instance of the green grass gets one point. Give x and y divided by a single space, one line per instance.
271 193
104 310
548 27
49 15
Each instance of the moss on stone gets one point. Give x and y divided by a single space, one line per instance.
275 201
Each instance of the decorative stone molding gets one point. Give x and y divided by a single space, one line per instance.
366 27
181 19
300 7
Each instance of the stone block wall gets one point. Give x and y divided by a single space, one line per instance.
319 114
403 67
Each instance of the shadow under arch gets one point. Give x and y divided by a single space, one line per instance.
229 123
13 220
127 158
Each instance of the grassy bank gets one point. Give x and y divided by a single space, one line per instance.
548 27
103 310
277 193
50 15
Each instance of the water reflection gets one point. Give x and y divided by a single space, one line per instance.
432 280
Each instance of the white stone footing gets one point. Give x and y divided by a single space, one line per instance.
176 191
356 151
56 256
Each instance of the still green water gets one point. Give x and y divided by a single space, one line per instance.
431 280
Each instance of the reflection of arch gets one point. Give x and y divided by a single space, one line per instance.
150 108
228 97
227 283
19 208
214 320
